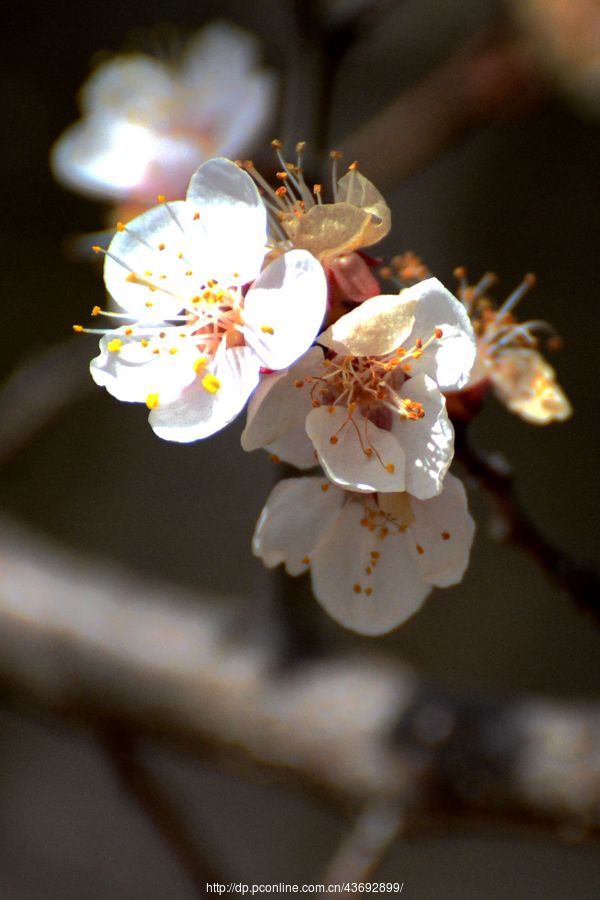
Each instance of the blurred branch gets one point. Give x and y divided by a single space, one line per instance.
362 852
104 647
40 390
484 78
120 750
579 580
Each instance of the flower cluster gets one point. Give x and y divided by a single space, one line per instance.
247 292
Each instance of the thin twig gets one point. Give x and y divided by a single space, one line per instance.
581 581
119 746
40 390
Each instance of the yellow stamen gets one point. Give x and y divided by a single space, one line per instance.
211 383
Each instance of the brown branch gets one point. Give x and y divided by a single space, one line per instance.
481 80
581 581
102 646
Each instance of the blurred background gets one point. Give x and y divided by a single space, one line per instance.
508 182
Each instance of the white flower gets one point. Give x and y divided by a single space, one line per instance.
507 359
148 125
196 339
373 558
373 407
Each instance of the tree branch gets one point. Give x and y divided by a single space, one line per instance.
581 581
104 646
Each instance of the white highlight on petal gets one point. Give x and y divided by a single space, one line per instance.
375 327
233 216
134 371
450 359
198 413
428 442
284 308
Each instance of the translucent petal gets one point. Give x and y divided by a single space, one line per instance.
297 515
284 308
344 459
354 188
443 529
527 384
369 603
376 327
329 229
199 412
449 359
428 442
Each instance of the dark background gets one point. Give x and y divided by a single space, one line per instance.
520 194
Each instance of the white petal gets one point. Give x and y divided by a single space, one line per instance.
377 326
135 263
284 308
389 595
449 359
131 86
232 213
296 516
345 460
133 372
278 409
199 413
428 442
104 158
444 531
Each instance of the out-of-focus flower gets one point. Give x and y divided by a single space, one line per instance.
507 359
372 405
147 124
358 217
196 338
373 558
564 36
